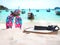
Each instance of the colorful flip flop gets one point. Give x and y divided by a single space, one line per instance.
18 22
9 22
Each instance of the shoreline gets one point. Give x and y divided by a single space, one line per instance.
31 24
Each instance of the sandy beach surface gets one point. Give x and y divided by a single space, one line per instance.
15 36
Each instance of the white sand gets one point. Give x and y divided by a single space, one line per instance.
17 37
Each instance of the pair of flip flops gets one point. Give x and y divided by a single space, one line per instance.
9 22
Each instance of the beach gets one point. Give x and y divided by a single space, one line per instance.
15 36
27 15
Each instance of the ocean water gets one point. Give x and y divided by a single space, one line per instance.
41 15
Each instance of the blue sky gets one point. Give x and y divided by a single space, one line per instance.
33 4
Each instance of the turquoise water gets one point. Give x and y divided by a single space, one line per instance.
41 15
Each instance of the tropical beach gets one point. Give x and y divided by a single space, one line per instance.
15 36
30 22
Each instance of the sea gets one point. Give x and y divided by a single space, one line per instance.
39 14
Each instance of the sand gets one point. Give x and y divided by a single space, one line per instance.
15 36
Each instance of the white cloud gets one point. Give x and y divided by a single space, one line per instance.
34 4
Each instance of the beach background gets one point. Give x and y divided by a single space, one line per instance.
42 17
15 36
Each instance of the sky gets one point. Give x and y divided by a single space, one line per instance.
32 4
